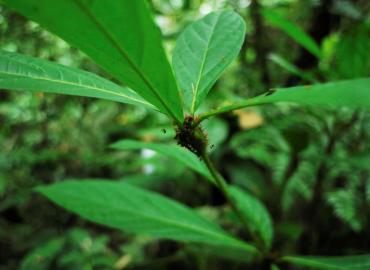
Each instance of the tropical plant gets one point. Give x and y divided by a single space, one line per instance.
132 53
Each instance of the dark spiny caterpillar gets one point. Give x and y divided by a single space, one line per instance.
192 136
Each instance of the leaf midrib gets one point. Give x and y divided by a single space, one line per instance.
202 66
74 84
125 55
231 241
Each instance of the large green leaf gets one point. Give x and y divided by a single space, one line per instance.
294 31
353 52
255 214
203 51
361 262
120 36
351 93
172 151
19 72
133 210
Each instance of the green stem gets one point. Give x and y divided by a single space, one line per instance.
223 186
232 107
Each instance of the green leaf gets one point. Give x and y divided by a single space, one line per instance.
41 258
255 213
19 72
346 204
361 262
281 61
294 31
133 210
351 93
353 52
172 151
203 51
118 35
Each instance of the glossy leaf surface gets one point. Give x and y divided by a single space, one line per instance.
203 51
172 151
138 211
118 35
19 72
351 93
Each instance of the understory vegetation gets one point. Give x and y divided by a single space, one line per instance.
184 134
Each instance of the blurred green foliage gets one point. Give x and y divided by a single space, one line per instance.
309 166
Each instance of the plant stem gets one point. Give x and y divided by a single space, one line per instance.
223 186
232 107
